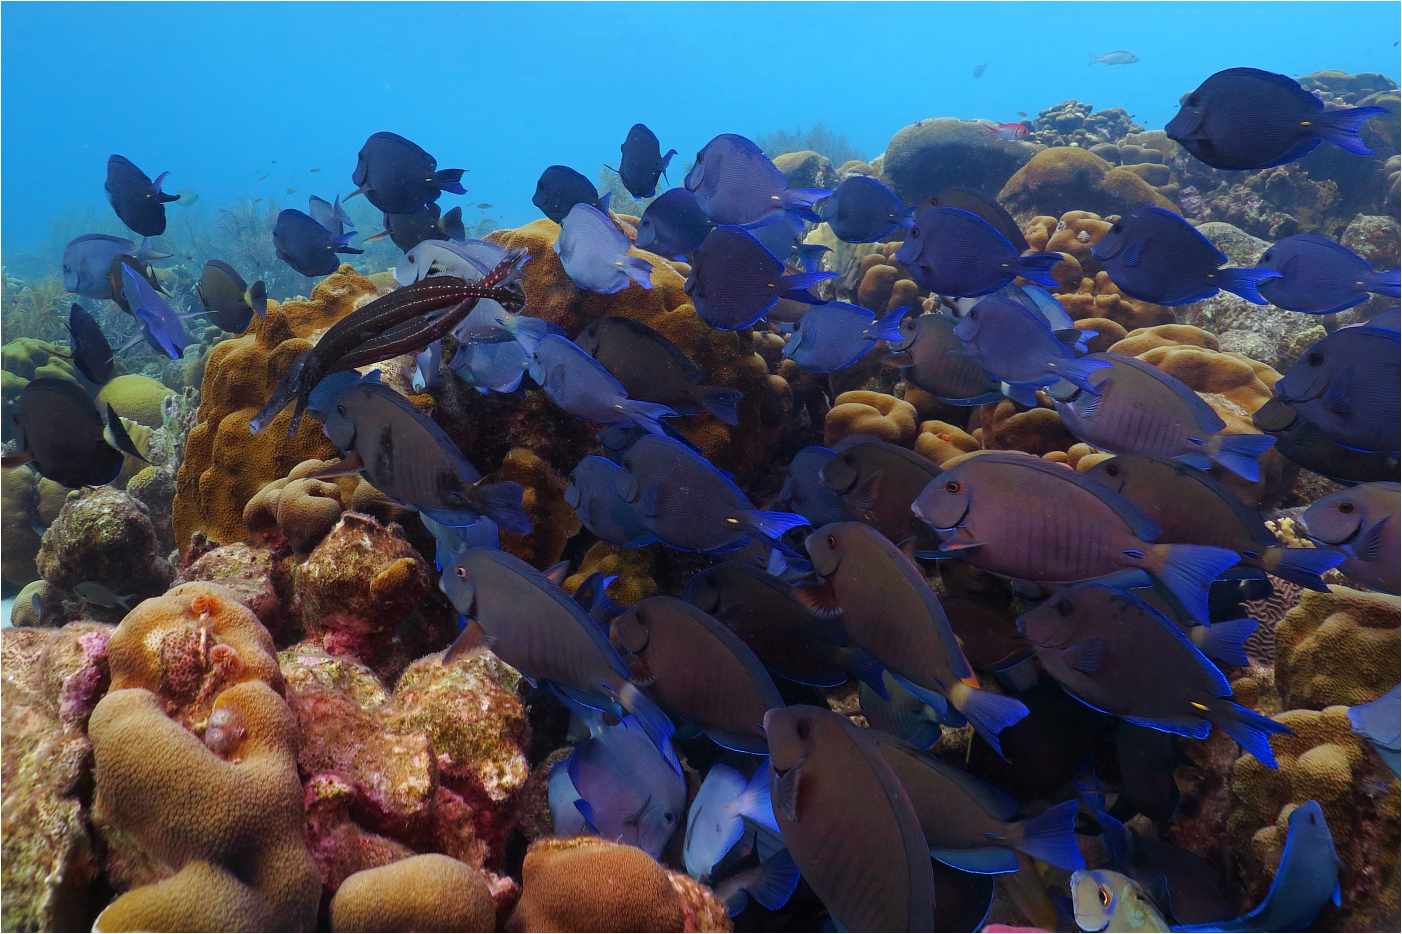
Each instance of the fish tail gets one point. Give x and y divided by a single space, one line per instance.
1251 731
799 202
755 801
1302 566
810 256
343 243
1246 282
1187 571
1077 371
528 331
502 503
797 285
1226 641
721 401
258 298
146 253
163 196
646 415
449 180
651 718
638 269
1037 267
1387 282
772 525
1341 127
1239 453
888 328
989 713
1051 836
778 880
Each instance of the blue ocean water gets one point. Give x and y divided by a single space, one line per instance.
242 100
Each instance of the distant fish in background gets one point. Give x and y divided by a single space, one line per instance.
560 188
138 201
1008 131
594 252
1117 57
87 262
1246 118
92 354
979 70
642 162
673 225
398 176
187 198
307 246
1320 276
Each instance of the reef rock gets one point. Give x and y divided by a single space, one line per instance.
105 536
928 156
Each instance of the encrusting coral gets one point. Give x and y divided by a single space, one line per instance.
1339 647
429 892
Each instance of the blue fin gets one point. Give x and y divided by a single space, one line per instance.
1370 542
749 745
1226 642
722 402
1240 453
989 713
1388 282
637 269
586 811
1194 459
1251 730
1025 396
1085 656
772 525
866 668
1037 267
1077 370
449 180
646 415
1304 566
654 722
758 807
801 282
983 861
1378 719
1246 282
1051 836
799 202
1188 571
777 881
1191 727
502 503
889 327
810 255
1341 127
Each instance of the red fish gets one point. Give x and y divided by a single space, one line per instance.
1008 131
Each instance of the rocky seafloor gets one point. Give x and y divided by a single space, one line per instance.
270 738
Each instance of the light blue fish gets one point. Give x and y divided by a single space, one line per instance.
594 252
1381 722
160 323
717 817
771 883
330 215
491 366
470 260
593 493
580 385
836 335
428 368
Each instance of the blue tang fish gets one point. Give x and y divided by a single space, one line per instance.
1246 118
491 366
642 162
836 335
1381 722
735 280
1362 522
736 183
717 817
561 188
1347 384
805 492
87 260
593 494
1156 256
1320 277
469 259
955 252
159 322
771 882
398 176
594 253
580 385
138 201
1014 344
330 215
862 209
307 246
673 225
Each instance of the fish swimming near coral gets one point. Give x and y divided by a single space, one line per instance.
87 262
60 434
642 162
862 209
408 457
1363 522
160 323
399 176
735 280
92 354
836 335
1115 653
933 358
467 259
593 494
673 225
771 882
1156 256
736 183
491 366
956 252
717 817
1305 443
1246 118
869 865
560 188
993 213
138 200
1380 721
805 492
1319 276
878 481
116 279
1133 407
408 230
1015 345
100 595
1008 131
330 214
594 253
1348 385
228 299
1012 513
653 368
580 385
307 246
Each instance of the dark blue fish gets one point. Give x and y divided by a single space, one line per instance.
138 201
594 252
452 226
398 176
689 504
593 494
159 322
92 354
673 225
642 162
736 183
330 215
716 820
428 368
618 786
1306 880
491 366
1303 442
1156 256
779 233
955 252
836 335
307 246
864 210
561 188
1245 118
1347 384
1320 277
87 262
1014 344
734 280
580 385
987 208
1379 721
804 491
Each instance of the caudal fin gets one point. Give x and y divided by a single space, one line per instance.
1302 566
646 415
797 286
654 722
449 180
1240 453
810 256
799 202
639 270
1077 370
772 525
1251 731
1037 267
721 401
1226 642
777 881
1051 837
502 503
1246 282
888 327
1341 127
989 713
1188 572
1386 282
285 391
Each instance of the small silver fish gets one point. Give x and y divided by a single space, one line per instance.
1117 57
99 595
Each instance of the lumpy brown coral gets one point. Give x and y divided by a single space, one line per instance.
1064 178
861 412
1339 647
429 892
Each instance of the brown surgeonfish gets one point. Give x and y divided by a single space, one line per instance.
848 823
878 481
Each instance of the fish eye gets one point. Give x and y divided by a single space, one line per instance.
461 572
1346 507
832 541
1315 358
1104 894
669 817
340 409
953 486
1251 554
915 231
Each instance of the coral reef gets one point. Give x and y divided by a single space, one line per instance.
807 169
928 156
1339 647
28 504
1066 177
861 412
255 578
104 536
137 397
430 892
1072 123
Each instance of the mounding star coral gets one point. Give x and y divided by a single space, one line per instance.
429 892
1339 647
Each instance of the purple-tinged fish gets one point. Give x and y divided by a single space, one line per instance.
1015 345
735 280
307 246
1363 522
836 335
87 262
1320 277
594 253
159 322
736 183
580 385
955 252
862 209
673 225
1348 385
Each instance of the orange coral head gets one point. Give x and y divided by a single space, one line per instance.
204 605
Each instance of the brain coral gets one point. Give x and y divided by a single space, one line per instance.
1339 647
861 412
430 892
1064 178
224 465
